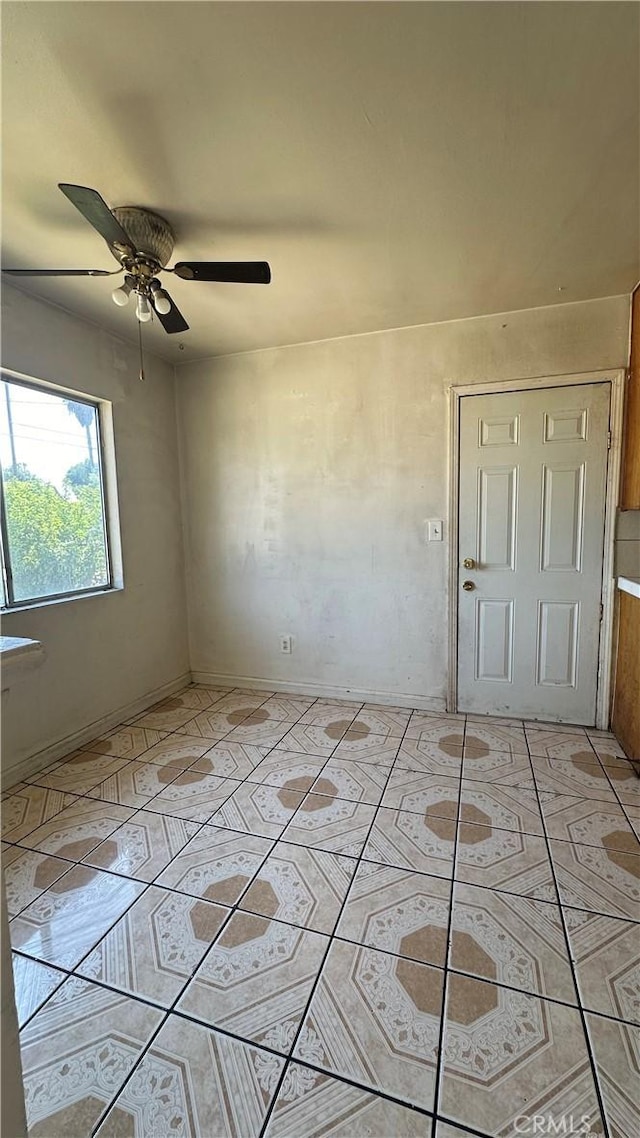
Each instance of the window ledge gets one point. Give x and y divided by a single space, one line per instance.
46 602
18 656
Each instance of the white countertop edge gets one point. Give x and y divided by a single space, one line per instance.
19 656
630 585
12 646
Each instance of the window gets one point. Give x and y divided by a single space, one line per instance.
54 531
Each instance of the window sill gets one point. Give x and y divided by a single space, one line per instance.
27 606
19 657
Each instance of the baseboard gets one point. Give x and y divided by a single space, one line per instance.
29 765
366 695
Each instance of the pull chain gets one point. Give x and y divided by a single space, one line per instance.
141 375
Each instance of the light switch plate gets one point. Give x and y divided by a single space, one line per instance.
435 528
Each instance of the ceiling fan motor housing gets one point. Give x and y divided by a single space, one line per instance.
151 236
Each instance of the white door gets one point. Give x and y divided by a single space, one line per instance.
531 511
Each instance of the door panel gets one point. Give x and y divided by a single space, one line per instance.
562 517
558 625
531 508
497 517
494 640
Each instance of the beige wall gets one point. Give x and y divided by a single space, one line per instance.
308 473
105 652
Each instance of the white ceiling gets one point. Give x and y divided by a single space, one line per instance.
396 163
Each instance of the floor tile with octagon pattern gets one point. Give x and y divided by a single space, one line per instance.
155 948
29 807
503 807
81 772
604 879
135 784
498 766
287 706
143 845
258 809
166 716
625 782
128 742
505 860
177 751
582 776
422 793
77 1053
422 842
435 729
367 748
288 769
313 1104
589 822
217 864
67 920
359 782
33 983
375 1019
257 732
606 955
230 760
481 738
398 911
558 744
436 757
193 795
333 824
507 1054
77 829
303 886
616 1048
27 873
256 980
314 738
511 940
194 1082
382 721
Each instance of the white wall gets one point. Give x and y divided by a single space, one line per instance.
308 474
108 651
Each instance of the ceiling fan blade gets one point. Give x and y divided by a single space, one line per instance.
237 272
173 321
97 213
61 272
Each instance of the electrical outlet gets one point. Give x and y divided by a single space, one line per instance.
435 528
286 644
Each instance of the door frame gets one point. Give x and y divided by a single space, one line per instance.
616 378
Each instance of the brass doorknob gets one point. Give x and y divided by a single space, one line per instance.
469 563
468 586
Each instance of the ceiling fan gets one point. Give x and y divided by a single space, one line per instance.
142 242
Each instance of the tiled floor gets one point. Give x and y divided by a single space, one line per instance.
250 913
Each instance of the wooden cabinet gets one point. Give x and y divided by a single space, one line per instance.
626 704
630 487
626 697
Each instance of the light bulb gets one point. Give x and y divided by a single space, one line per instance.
120 296
143 311
161 302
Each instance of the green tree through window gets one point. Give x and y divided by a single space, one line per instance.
54 526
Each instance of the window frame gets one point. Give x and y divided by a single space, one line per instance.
109 508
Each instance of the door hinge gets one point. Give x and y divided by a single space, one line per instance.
601 612
608 440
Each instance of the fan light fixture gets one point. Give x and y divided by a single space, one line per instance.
142 243
143 309
120 296
161 299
